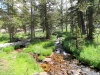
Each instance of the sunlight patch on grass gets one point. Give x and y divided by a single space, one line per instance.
44 47
8 49
90 55
19 64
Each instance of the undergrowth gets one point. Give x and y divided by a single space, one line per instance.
88 52
41 47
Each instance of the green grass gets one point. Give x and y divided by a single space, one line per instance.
87 53
41 57
8 49
23 63
90 55
4 38
18 64
42 47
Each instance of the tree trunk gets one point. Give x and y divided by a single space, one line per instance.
11 33
46 24
66 26
24 28
32 24
61 16
90 23
81 22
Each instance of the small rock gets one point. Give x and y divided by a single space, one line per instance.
47 60
75 72
43 73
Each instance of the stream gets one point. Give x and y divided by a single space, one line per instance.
62 63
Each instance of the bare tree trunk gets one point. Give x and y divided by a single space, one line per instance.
32 24
11 33
66 26
24 28
61 16
90 23
46 23
81 22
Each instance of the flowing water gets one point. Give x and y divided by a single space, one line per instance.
62 63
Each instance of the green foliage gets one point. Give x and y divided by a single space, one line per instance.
41 47
19 64
20 35
4 37
88 52
25 65
41 57
17 46
8 49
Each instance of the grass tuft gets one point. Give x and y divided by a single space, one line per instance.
8 49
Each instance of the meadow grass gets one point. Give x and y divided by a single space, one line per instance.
41 57
41 47
22 63
8 49
88 53
19 64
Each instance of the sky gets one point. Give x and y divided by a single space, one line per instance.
66 3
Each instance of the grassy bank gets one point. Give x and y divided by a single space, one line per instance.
88 52
41 47
14 63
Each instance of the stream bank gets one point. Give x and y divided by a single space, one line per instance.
62 63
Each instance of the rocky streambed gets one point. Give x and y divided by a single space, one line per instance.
62 63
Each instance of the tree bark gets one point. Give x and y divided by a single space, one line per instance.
90 23
32 24
46 23
81 22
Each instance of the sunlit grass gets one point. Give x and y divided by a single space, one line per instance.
42 47
8 49
22 63
90 55
19 64
25 64
88 52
